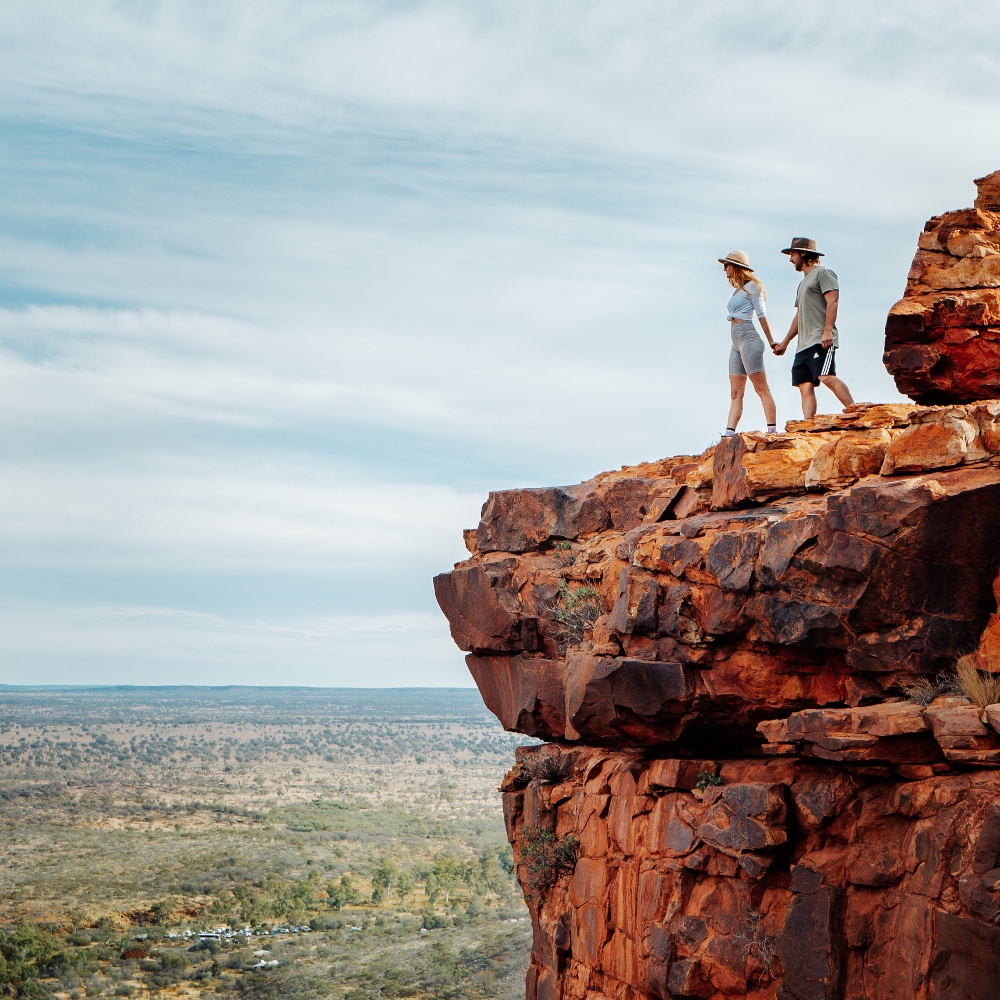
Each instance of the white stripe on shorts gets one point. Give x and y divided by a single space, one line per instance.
828 361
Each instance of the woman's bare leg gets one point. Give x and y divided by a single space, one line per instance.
759 380
737 386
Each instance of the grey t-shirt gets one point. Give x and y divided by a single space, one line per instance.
811 305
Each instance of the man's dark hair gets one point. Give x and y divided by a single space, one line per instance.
810 258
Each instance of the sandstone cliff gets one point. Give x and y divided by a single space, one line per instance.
755 781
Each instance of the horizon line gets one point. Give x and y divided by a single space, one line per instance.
223 687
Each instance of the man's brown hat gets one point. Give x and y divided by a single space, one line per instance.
804 245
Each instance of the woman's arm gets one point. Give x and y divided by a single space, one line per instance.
766 327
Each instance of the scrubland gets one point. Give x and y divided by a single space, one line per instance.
133 819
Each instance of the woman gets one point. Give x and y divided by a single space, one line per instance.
746 359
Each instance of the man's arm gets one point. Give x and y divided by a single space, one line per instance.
832 301
793 332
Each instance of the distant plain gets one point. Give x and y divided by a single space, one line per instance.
137 813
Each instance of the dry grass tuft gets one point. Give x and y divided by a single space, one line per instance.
923 690
981 686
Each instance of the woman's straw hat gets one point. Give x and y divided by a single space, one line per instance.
737 257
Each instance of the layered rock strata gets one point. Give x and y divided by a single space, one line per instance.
942 339
768 575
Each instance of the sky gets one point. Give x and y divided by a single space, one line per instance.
287 287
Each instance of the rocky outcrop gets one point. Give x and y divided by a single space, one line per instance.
796 577
942 339
760 776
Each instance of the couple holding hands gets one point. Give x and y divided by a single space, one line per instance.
814 323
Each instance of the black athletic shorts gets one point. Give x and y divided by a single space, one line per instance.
813 362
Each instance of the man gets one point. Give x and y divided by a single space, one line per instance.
815 324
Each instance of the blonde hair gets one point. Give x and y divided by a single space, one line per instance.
742 276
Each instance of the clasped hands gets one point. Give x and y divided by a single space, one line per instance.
780 349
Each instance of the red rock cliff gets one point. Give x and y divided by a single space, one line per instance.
748 788
942 339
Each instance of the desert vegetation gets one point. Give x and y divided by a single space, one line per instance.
343 844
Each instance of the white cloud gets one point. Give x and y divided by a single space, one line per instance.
290 285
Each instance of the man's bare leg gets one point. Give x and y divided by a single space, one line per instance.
808 399
840 390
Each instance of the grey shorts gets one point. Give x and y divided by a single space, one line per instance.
747 355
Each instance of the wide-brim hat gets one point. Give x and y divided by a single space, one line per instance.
737 257
803 245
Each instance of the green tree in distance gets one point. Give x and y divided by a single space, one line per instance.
384 877
447 873
342 893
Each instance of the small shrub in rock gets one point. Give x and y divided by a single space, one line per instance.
759 946
574 614
706 778
546 858
550 768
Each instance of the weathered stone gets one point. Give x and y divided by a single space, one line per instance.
896 899
626 500
482 612
968 958
864 416
751 468
849 457
892 732
958 726
661 501
525 693
992 713
809 601
620 700
810 958
935 439
746 817
635 606
943 337
521 520
677 774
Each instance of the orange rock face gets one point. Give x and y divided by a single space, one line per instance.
942 339
793 879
